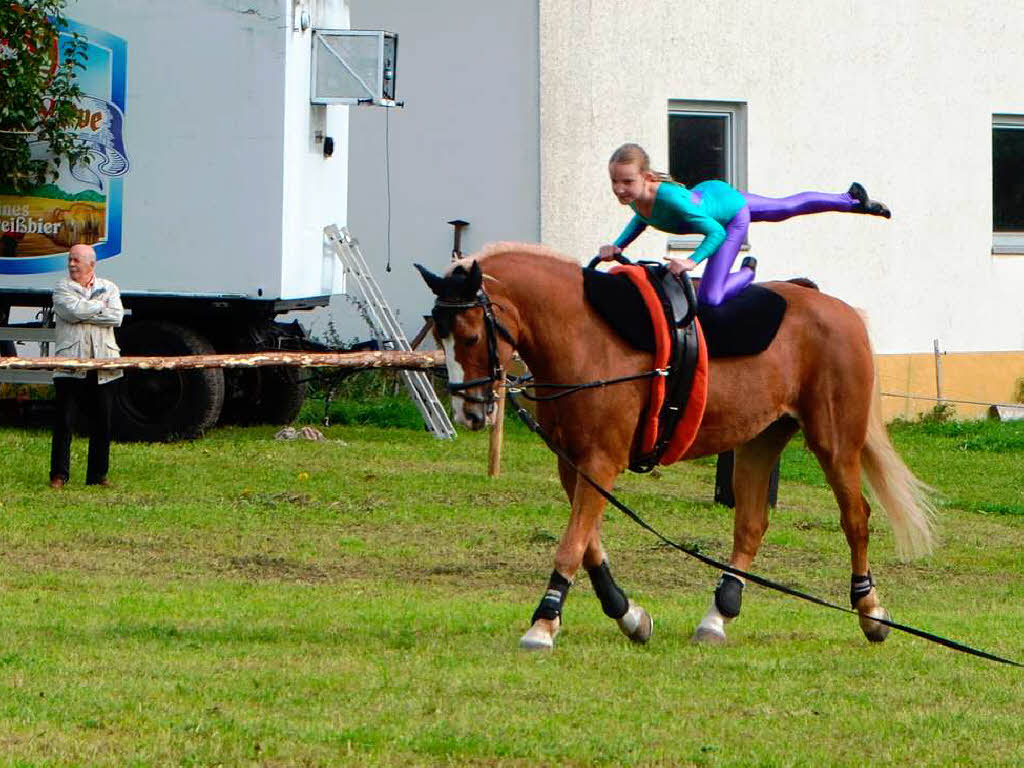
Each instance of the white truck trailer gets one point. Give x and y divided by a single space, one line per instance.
216 163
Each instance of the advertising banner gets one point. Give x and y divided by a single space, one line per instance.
84 204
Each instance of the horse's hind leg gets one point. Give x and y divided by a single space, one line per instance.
752 469
843 473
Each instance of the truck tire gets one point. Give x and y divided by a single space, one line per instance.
282 393
154 406
270 395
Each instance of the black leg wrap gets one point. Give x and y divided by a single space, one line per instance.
613 600
551 604
860 586
729 596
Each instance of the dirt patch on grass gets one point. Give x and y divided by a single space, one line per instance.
263 567
275 499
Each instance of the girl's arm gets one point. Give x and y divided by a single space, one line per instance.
714 236
631 232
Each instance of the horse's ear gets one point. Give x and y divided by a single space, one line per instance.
434 282
475 280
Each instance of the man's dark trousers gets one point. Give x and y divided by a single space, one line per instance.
96 399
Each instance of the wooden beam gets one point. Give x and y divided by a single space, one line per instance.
355 360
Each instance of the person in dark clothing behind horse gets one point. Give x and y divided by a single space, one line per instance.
86 310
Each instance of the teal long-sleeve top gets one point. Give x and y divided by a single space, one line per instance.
677 210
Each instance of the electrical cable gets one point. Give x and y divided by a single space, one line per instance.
387 177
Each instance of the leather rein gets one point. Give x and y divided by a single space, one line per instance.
493 328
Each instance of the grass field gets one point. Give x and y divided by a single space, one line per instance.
242 601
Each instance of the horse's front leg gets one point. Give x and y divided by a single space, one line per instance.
634 622
581 545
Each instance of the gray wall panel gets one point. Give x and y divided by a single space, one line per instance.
466 145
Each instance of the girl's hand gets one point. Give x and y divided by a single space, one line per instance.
678 265
608 252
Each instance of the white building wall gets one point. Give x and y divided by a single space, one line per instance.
898 95
465 146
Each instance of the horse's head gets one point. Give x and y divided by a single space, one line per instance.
476 344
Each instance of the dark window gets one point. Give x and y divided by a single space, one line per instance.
699 147
1008 178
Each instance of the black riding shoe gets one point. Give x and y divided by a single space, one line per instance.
749 261
867 205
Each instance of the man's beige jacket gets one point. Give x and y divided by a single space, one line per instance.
85 319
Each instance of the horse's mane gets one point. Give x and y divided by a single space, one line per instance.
495 250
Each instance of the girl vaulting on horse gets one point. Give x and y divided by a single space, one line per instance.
714 209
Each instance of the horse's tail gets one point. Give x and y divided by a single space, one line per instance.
906 500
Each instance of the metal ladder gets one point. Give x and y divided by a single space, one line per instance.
386 327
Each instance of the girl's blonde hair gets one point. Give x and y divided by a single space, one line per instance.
637 155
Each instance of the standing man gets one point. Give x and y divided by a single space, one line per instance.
86 310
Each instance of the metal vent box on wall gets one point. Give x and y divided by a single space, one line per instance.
353 66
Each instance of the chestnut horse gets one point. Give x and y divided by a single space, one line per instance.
817 375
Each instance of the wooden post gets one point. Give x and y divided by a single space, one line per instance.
938 373
459 225
497 433
428 323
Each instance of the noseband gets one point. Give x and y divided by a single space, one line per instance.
493 329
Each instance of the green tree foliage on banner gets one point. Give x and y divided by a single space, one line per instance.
38 90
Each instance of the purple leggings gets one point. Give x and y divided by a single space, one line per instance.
718 283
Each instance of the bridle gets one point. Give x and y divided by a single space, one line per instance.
493 329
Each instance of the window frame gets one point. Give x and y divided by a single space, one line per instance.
1005 243
736 153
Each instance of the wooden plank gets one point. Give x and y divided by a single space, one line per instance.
354 360
25 377
1006 412
28 334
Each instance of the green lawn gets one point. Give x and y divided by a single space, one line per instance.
242 601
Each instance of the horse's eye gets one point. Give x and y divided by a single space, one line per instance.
469 341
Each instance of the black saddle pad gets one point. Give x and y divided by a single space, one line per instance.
619 302
744 325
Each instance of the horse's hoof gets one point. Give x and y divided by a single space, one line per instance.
539 637
636 624
872 630
705 635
